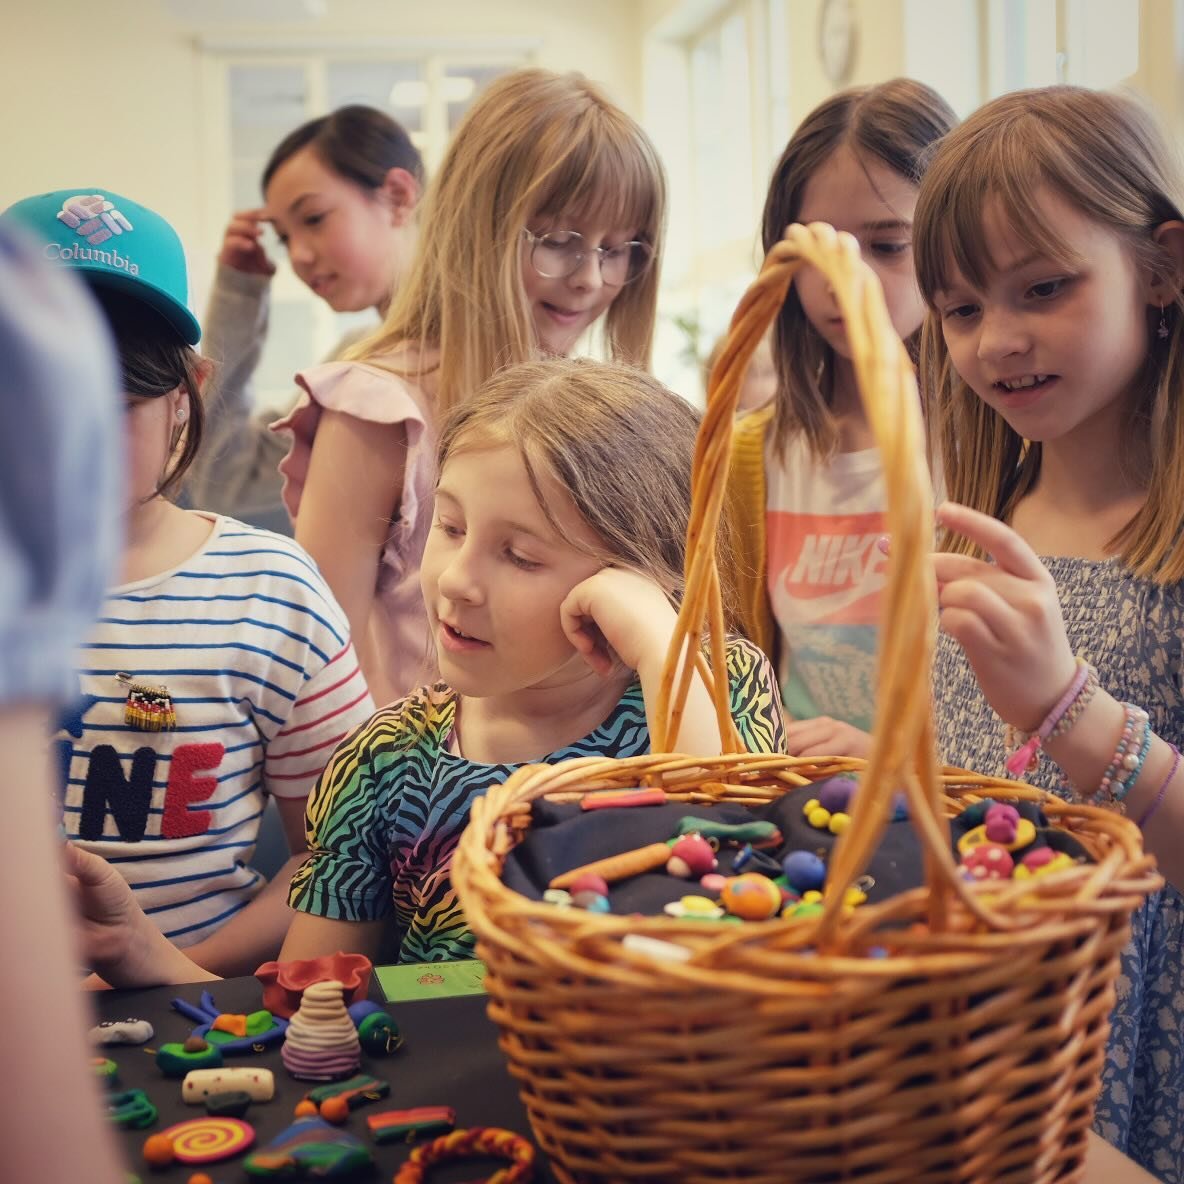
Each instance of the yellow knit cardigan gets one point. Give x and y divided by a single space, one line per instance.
745 503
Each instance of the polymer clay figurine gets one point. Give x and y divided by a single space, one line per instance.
201 1083
393 1126
322 1043
231 1033
310 1149
129 1031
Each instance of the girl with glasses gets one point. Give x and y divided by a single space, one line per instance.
544 220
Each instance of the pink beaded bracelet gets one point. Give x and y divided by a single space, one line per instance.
1055 723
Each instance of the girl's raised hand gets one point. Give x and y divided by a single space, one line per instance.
618 614
241 245
1006 616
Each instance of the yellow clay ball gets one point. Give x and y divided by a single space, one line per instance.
811 897
819 817
838 822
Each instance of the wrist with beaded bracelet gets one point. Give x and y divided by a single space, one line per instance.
1025 746
1126 763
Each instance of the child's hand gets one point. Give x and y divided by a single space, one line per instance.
121 944
618 614
824 736
241 248
1007 618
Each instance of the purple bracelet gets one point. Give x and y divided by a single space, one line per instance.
1163 789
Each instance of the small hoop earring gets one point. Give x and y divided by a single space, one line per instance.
1163 330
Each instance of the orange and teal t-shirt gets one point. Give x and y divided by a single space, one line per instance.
825 577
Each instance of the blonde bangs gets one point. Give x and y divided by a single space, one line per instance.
1103 154
607 176
996 175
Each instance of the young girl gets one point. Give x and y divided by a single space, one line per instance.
545 217
550 577
551 574
341 193
806 485
221 669
1050 248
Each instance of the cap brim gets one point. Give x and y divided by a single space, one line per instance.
177 315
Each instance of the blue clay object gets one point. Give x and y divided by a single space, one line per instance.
804 871
310 1149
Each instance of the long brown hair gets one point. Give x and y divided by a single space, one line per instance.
1104 155
615 438
895 123
154 361
534 145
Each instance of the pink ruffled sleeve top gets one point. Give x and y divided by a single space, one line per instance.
399 625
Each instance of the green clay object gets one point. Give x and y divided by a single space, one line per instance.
131 1109
357 1091
105 1069
757 833
310 1149
173 1061
810 909
379 1034
259 1022
234 1103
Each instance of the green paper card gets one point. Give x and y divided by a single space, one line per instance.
431 980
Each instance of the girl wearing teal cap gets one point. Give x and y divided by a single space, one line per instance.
220 671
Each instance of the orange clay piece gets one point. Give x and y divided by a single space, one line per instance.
200 1178
305 1109
236 1025
335 1110
618 867
158 1151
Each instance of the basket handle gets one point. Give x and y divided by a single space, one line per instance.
902 755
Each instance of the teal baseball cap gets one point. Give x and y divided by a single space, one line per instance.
116 243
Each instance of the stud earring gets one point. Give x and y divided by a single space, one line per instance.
181 414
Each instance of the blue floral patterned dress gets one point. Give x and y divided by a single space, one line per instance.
1132 631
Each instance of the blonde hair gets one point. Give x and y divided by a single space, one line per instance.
895 123
618 442
1104 155
534 145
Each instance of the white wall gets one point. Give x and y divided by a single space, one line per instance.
112 95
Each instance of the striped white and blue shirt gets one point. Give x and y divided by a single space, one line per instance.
256 657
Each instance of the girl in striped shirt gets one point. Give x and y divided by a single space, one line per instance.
220 672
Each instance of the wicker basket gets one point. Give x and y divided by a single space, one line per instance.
780 1051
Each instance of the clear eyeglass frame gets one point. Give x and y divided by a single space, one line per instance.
558 254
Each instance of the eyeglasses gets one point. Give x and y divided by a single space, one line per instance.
561 253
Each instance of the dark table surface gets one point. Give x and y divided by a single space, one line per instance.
449 1058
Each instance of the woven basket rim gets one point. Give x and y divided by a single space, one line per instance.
1041 908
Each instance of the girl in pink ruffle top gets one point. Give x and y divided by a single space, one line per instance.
545 218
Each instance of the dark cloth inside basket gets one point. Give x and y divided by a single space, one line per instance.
562 837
